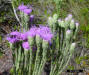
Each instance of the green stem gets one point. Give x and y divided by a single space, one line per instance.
65 65
37 61
43 61
31 59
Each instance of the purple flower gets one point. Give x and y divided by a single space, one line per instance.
23 36
32 31
45 33
47 37
26 45
15 33
22 7
13 37
11 40
27 11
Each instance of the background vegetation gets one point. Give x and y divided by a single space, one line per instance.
43 9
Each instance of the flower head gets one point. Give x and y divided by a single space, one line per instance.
27 11
45 33
68 34
72 47
22 7
26 45
32 31
47 37
15 33
13 37
11 40
23 36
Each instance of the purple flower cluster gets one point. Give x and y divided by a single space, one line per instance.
43 31
24 9
13 37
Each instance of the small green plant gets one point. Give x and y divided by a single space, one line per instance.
83 61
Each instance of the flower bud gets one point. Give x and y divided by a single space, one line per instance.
55 17
67 22
72 47
77 25
68 34
76 30
50 21
72 26
69 16
61 23
68 19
